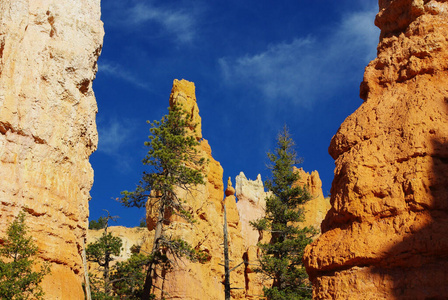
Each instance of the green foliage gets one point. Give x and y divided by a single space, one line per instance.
173 160
100 224
17 279
129 276
180 248
174 163
101 252
281 258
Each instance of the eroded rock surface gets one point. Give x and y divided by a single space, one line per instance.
251 206
205 281
195 280
138 236
48 55
317 207
385 235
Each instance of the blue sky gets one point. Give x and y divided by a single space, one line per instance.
257 65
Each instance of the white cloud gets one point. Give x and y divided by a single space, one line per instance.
115 70
113 135
306 69
177 22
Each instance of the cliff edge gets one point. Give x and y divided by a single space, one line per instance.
385 235
48 55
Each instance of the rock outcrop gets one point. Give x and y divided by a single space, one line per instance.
385 235
48 55
318 206
252 202
129 236
205 202
251 206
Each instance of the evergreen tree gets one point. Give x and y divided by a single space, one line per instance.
129 276
101 252
281 259
100 224
18 281
174 164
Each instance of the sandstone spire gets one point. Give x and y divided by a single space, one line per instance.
385 236
206 206
205 202
48 55
251 206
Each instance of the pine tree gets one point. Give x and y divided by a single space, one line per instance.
129 276
281 259
98 224
18 281
101 252
174 164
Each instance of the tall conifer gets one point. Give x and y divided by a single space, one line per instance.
19 278
174 164
281 259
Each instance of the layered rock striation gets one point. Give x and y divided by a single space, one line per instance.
385 235
48 55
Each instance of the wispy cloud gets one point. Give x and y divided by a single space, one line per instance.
113 135
308 68
117 71
175 21
179 22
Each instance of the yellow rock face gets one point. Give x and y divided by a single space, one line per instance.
48 54
385 235
205 281
317 207
194 280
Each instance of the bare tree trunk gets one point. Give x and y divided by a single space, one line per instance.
86 273
157 235
226 259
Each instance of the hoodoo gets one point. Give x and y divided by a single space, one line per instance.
48 55
385 235
190 280
205 202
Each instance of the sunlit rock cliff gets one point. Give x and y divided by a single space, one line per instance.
251 206
138 236
205 281
195 280
48 55
317 207
385 235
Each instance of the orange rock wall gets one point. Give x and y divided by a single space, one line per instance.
385 235
48 54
